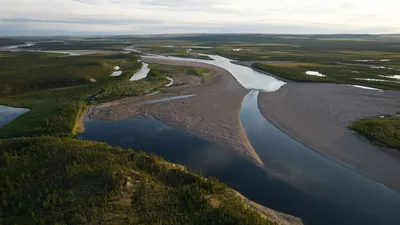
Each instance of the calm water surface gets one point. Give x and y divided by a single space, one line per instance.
8 114
295 180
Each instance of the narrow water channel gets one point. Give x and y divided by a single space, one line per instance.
344 190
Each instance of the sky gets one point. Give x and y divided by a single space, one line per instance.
85 17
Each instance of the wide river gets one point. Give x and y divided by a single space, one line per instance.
295 180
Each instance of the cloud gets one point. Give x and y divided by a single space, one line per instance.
90 2
81 21
163 16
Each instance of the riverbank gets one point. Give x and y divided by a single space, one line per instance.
318 115
213 113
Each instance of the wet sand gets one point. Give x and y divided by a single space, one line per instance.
213 113
318 115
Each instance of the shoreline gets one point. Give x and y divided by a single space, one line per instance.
79 123
318 116
220 93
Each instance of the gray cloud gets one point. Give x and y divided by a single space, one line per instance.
177 3
89 2
83 21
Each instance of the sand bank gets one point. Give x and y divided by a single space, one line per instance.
213 113
318 115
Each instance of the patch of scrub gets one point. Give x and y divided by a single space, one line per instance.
116 73
142 73
8 114
170 98
365 87
397 77
315 73
116 67
170 83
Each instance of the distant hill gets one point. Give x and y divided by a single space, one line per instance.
7 41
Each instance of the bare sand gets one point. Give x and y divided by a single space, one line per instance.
213 113
318 115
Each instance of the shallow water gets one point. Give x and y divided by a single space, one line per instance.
365 87
170 98
142 73
315 73
192 46
295 180
358 199
247 77
171 82
8 114
116 73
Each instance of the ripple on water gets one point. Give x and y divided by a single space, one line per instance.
170 98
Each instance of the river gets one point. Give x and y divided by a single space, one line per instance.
295 180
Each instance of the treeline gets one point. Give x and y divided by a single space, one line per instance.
8 41
50 180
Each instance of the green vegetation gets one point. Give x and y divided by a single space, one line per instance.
24 72
49 180
8 41
384 131
345 74
167 70
84 44
58 89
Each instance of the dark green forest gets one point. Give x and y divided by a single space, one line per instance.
48 180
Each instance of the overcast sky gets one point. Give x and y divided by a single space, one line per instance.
56 17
